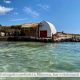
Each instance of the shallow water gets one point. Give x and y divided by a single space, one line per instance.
41 78
36 56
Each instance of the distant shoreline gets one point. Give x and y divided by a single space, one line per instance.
58 37
65 37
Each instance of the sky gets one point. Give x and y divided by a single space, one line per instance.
64 14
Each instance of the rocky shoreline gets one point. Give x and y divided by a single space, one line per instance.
58 37
64 37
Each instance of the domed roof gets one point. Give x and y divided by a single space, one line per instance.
52 27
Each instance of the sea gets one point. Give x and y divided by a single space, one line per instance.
39 78
39 57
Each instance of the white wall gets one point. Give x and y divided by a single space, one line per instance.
52 27
2 34
49 27
45 26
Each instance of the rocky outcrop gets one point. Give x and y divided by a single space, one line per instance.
63 37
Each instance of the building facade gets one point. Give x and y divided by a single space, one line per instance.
46 30
43 29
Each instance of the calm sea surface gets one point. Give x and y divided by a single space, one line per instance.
36 56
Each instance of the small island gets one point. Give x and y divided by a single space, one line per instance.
43 32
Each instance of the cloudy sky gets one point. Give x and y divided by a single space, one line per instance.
64 14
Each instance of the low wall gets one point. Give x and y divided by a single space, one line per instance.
58 37
24 38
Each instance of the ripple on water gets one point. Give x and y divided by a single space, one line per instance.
36 56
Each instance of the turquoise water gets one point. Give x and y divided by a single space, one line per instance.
42 78
36 56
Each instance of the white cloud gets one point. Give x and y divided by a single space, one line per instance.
4 10
20 19
31 12
7 1
45 7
